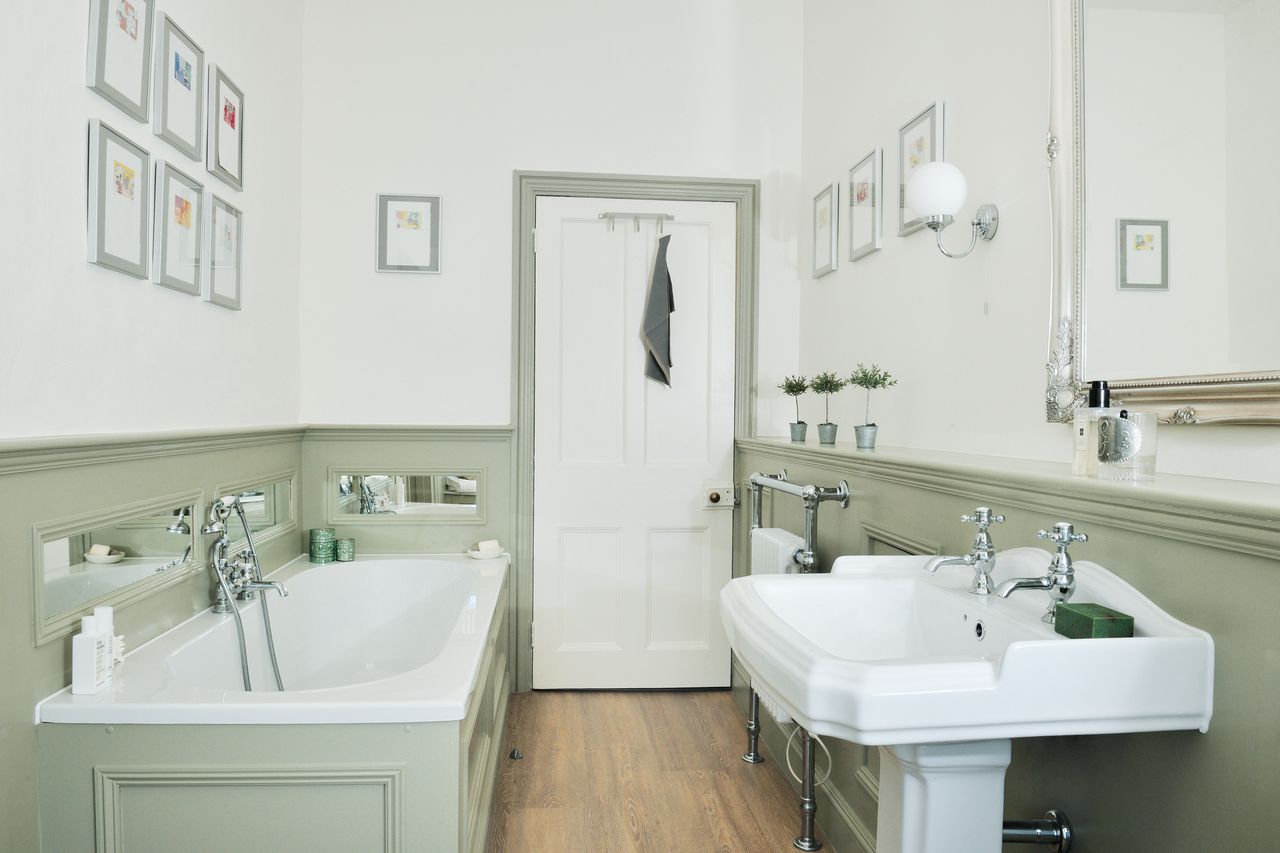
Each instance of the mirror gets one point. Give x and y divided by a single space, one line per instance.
268 506
109 558
1161 269
384 496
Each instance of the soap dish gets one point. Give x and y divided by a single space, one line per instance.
485 555
105 559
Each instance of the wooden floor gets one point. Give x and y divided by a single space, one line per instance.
636 771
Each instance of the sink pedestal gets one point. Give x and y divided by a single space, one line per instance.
942 797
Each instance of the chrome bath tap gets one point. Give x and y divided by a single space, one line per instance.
981 557
1060 581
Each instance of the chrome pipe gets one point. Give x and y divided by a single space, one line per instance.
756 482
752 755
1054 829
806 840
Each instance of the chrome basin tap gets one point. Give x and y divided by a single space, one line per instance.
981 557
1060 580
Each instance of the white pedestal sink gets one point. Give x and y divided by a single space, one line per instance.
881 653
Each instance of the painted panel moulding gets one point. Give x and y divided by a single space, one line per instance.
42 454
109 783
1225 514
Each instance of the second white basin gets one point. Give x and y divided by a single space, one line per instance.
881 652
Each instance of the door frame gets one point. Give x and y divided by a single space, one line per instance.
528 187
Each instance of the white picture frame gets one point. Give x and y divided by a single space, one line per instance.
178 117
225 251
408 233
118 64
119 201
224 129
826 230
921 140
178 243
866 189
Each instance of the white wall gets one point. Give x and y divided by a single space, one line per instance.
449 98
88 350
968 338
1252 181
1147 71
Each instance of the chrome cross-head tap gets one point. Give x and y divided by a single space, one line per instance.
1060 580
981 557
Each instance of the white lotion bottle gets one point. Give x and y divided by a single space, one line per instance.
90 654
1084 460
105 617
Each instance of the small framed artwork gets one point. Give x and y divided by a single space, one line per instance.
826 233
119 60
1142 254
179 231
226 236
408 233
179 80
864 205
225 147
119 201
920 141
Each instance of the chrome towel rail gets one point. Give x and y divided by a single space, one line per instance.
811 495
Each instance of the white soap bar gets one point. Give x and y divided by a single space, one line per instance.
100 550
489 545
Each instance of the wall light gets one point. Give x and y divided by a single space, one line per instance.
936 192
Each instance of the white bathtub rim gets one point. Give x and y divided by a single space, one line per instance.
411 697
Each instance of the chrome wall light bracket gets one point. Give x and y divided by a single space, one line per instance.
936 192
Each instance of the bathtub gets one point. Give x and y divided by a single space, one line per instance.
377 640
388 736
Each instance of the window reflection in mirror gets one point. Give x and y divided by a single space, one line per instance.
407 495
88 566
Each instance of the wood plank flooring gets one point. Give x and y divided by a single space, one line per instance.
636 771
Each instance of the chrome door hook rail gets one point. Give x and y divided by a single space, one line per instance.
610 215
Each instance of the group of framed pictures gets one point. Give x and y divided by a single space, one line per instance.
920 141
155 220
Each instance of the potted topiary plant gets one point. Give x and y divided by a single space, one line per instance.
827 384
795 387
869 378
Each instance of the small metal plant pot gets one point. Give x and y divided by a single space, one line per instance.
865 436
798 431
827 433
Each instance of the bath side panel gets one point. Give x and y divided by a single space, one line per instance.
206 789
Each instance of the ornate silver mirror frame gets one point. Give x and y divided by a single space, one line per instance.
1222 398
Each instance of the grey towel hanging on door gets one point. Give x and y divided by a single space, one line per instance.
656 328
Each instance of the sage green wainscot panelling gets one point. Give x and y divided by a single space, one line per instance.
42 480
394 788
1204 550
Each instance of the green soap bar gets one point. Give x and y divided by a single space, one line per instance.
1091 621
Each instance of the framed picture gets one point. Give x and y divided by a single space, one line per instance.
226 236
119 201
119 60
865 214
408 233
179 217
920 141
1142 254
179 80
826 233
224 155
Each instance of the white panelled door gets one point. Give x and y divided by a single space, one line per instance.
629 553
